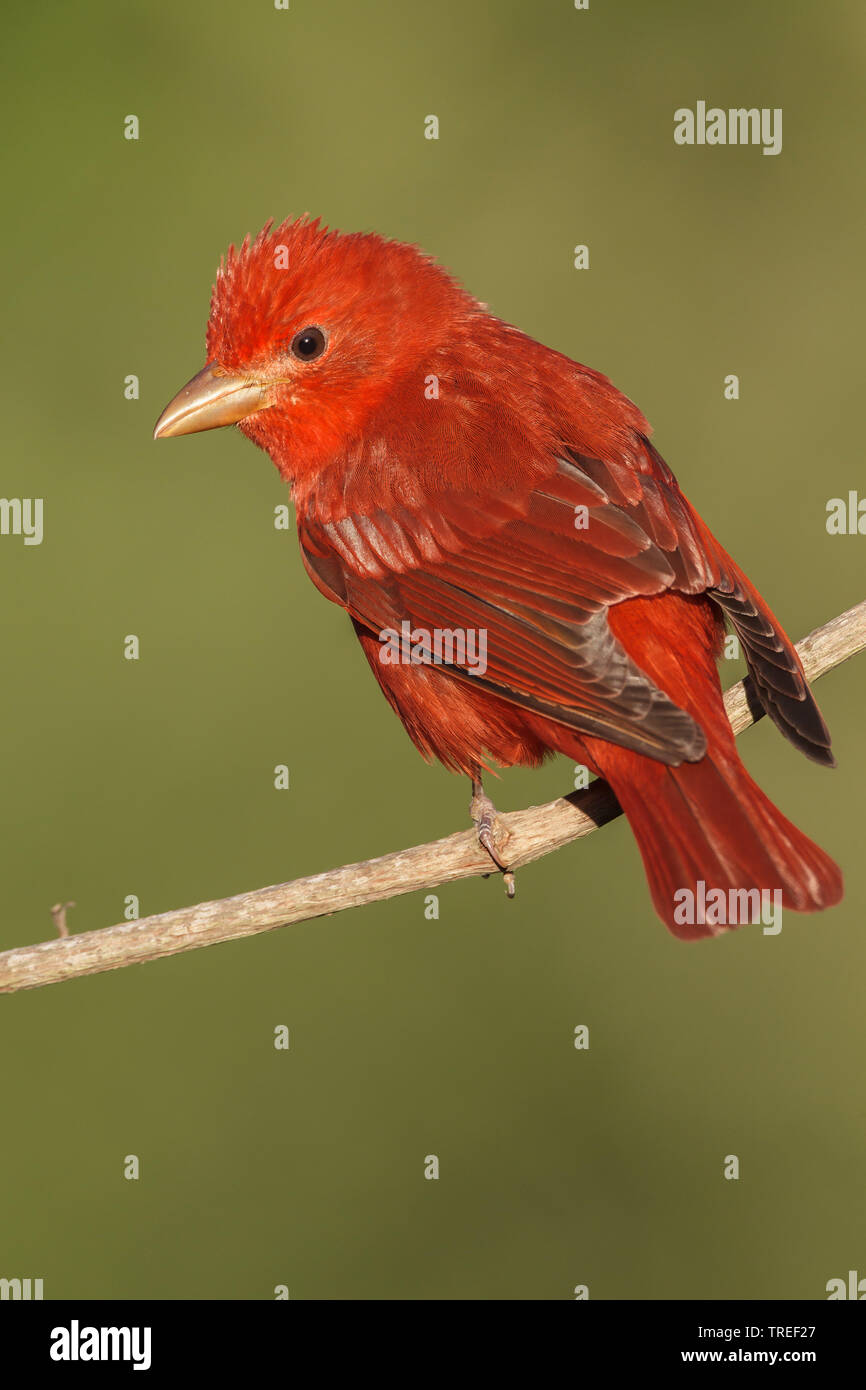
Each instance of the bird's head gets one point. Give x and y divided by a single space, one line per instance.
309 331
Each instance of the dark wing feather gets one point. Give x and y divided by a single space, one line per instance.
774 667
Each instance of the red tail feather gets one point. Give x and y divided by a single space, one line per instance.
705 826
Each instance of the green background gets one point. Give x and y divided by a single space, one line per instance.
409 1037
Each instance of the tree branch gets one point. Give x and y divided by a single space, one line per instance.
535 832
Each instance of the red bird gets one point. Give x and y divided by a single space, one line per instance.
453 475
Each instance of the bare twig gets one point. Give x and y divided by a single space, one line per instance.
535 832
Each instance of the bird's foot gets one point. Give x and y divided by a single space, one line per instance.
493 834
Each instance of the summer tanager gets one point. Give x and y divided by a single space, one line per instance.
451 474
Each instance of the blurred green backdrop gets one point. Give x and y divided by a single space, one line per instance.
410 1037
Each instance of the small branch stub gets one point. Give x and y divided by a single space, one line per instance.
58 912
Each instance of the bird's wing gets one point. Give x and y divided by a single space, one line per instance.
536 573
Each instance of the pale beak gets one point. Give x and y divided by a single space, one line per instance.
213 398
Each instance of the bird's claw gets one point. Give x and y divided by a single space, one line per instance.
493 835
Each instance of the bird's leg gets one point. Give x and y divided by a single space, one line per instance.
493 836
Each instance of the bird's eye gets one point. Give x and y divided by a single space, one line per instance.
309 344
